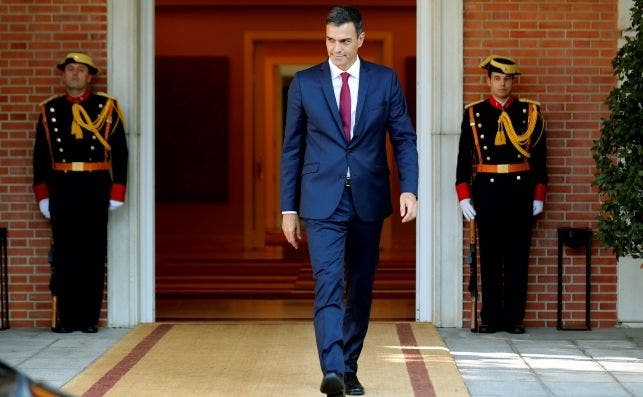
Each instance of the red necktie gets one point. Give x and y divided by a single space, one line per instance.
345 106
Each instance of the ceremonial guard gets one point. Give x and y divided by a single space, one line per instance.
501 182
80 173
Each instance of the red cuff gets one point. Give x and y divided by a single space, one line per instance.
541 192
118 192
463 190
41 190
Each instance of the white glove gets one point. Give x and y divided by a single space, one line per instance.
114 204
538 207
44 207
467 209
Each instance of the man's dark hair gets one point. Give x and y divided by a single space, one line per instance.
341 15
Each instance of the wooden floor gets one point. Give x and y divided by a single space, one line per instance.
213 309
273 283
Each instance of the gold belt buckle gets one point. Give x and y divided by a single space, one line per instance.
502 168
77 166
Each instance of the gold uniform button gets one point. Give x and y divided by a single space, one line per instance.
492 180
477 114
60 150
524 110
58 139
55 129
481 136
53 119
488 158
479 125
91 147
519 155
485 147
51 109
93 136
518 177
100 105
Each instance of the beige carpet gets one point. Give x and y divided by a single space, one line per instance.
265 359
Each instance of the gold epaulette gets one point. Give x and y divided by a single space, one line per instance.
529 101
473 103
105 95
49 99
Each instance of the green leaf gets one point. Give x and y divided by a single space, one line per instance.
618 153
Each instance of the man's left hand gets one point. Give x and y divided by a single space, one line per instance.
408 207
291 228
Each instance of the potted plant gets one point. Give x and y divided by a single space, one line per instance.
618 153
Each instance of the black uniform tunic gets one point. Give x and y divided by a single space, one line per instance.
503 199
79 196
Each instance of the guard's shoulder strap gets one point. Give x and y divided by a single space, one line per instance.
117 106
105 95
49 99
467 106
474 131
529 101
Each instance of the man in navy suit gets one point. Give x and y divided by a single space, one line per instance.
335 176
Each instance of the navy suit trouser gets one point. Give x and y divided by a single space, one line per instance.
340 326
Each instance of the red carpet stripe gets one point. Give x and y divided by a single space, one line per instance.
116 373
419 375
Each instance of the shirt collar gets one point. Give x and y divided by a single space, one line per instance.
353 70
501 106
78 99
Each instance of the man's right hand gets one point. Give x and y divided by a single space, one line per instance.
291 229
467 209
44 207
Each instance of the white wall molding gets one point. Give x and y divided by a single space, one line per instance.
130 62
439 104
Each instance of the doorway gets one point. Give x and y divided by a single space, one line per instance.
225 258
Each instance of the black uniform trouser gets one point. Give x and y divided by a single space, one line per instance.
504 219
79 206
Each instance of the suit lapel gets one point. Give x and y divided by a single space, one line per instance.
327 86
364 81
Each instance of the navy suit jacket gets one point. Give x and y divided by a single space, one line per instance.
315 155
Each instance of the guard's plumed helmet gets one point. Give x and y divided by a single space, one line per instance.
500 64
78 57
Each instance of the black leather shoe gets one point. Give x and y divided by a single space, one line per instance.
352 385
332 385
487 329
61 330
515 329
92 329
